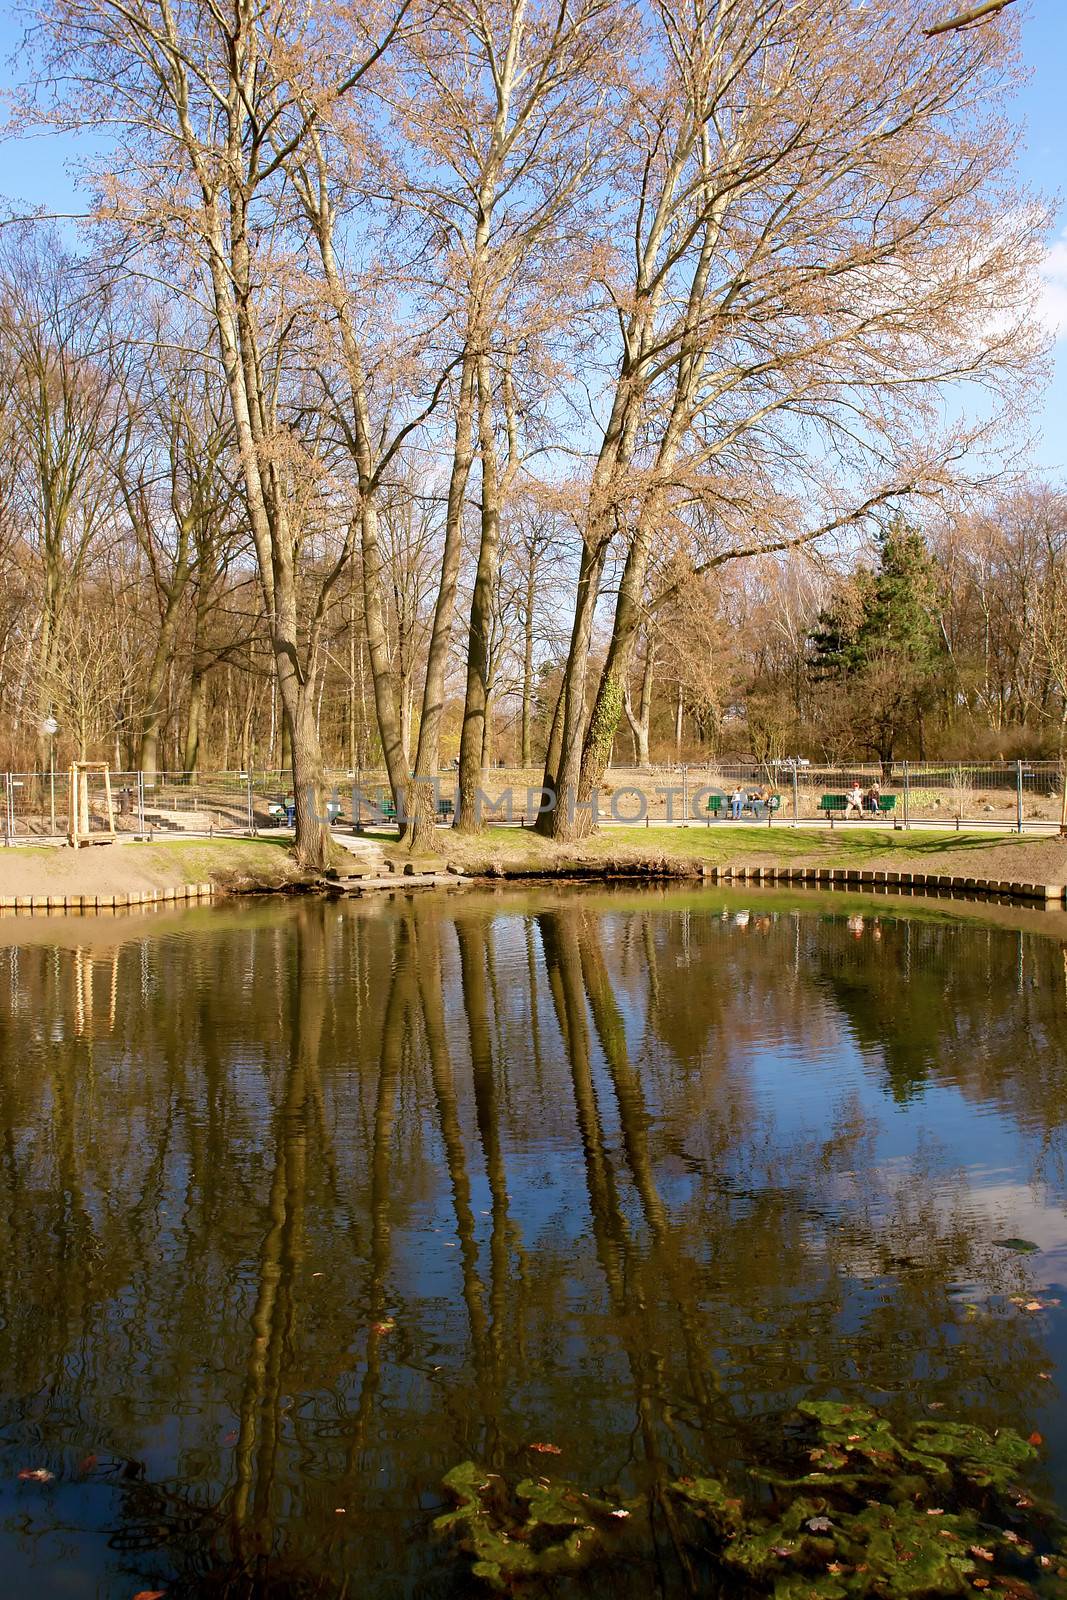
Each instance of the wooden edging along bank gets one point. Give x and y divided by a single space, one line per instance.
410 876
78 904
940 882
427 875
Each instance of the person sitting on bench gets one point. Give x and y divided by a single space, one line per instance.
874 794
854 801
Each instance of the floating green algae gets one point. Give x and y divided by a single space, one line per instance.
859 1508
540 1528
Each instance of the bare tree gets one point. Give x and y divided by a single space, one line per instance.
797 301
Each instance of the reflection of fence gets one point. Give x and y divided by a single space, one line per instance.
1004 794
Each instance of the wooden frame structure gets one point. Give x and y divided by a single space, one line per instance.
78 832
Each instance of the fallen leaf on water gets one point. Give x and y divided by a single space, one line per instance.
339 1511
546 1449
980 1583
1033 1305
1035 1438
783 1550
819 1524
36 1475
386 1325
231 1437
87 1464
619 1512
1046 1375
935 1511
981 1552
149 1594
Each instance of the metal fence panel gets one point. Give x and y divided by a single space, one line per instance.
1002 795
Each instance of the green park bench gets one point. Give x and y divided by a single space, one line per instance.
887 803
715 805
833 804
446 810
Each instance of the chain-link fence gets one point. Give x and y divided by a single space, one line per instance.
1002 795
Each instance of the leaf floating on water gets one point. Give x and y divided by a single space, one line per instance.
386 1325
87 1464
36 1475
149 1594
546 1449
981 1552
1035 1438
819 1524
1023 1246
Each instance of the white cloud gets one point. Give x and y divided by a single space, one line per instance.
1051 305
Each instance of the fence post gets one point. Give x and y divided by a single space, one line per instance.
140 803
251 808
1063 799
907 797
796 797
1018 797
8 808
685 792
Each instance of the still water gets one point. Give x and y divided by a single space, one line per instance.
305 1203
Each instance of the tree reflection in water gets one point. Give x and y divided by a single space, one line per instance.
302 1204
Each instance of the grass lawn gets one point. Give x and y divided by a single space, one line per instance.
723 843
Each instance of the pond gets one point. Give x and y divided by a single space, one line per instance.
569 1198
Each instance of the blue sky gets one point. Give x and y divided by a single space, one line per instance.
36 174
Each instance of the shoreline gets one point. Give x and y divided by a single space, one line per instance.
121 878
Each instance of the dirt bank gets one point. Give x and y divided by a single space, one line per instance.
122 868
238 864
1019 859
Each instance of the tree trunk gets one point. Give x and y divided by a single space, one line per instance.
526 757
472 738
193 723
563 756
639 724
487 734
420 829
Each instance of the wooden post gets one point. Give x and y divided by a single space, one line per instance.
72 806
1063 809
110 806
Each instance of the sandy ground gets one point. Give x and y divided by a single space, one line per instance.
122 868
